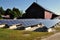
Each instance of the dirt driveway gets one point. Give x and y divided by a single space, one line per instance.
53 37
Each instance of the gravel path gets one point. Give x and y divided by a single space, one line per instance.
53 37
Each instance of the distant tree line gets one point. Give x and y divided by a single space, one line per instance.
14 13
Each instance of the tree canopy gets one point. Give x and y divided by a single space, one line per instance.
15 12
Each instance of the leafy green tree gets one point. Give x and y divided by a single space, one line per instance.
18 12
9 12
2 10
14 13
1 17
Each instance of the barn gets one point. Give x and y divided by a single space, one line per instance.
37 11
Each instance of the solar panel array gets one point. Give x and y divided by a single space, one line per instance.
49 23
30 22
24 22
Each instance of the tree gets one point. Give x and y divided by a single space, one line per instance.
17 12
1 17
10 12
2 10
14 13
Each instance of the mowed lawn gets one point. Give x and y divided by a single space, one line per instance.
6 34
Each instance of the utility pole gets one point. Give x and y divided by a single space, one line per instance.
36 1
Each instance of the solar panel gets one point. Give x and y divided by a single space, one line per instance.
33 22
49 23
2 22
9 23
30 22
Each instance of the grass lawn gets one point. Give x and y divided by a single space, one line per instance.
6 34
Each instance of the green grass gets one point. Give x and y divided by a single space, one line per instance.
6 34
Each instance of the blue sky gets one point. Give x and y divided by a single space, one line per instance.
52 5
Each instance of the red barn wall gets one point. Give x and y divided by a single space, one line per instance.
47 15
